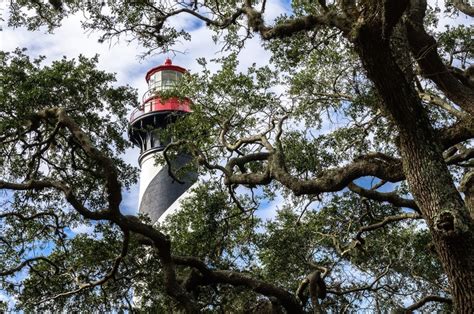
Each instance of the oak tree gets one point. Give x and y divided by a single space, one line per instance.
363 124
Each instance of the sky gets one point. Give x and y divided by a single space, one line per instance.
123 58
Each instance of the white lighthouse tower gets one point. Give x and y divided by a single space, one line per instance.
159 193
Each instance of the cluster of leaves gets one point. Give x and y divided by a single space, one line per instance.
38 225
28 88
285 249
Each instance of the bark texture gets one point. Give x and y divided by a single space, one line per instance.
424 167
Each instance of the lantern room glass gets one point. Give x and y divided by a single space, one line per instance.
163 80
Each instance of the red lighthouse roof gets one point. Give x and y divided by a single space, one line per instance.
167 66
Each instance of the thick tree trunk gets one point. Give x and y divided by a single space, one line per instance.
427 174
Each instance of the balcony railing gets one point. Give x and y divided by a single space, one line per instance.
148 94
153 103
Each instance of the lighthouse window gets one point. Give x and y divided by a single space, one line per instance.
155 138
159 138
168 79
163 80
155 82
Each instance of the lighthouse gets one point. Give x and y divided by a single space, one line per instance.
159 192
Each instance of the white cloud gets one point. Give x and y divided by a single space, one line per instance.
83 229
268 211
9 299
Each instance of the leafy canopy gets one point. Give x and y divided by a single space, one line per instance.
315 133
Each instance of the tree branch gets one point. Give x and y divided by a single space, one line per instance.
289 302
220 24
27 262
61 186
461 131
28 218
336 179
463 155
424 48
111 213
384 222
365 287
437 101
111 274
423 301
294 25
464 7
390 197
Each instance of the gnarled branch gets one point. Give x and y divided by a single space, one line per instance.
384 222
463 6
390 197
27 262
111 274
288 301
423 301
424 47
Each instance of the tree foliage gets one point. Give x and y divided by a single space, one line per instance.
361 129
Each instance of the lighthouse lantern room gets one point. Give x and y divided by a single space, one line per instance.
158 191
156 113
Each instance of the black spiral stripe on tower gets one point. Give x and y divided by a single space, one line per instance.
163 190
